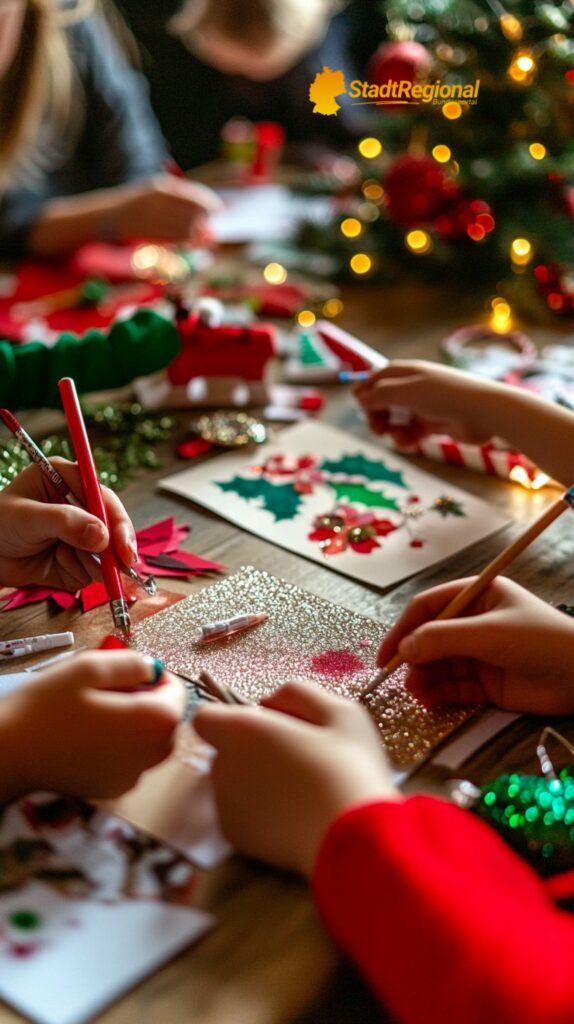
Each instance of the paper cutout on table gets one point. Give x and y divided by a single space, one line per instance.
359 465
31 595
256 493
264 212
159 555
89 906
282 500
304 637
175 802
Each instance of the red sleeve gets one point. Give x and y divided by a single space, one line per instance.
446 923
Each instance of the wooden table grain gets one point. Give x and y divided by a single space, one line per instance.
268 960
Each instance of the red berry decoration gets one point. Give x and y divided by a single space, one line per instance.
417 189
464 217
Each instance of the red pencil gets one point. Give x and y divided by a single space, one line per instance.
94 501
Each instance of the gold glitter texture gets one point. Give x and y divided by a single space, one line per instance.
301 627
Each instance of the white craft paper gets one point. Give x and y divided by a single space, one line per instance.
88 953
263 212
93 907
395 559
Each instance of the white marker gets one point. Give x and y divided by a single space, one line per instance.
227 627
44 642
15 652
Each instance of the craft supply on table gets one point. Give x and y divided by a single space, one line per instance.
470 593
255 213
230 429
94 502
159 552
16 652
323 351
305 637
487 352
89 906
43 642
493 458
210 632
38 666
341 501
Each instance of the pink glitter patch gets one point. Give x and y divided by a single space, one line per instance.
364 643
336 663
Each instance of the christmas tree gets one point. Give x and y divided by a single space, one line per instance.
478 185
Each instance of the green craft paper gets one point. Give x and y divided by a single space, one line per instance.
97 361
360 465
282 500
363 495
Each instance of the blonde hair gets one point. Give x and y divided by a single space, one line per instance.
38 84
256 24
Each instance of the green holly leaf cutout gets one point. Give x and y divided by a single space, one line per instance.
360 465
282 500
446 506
362 494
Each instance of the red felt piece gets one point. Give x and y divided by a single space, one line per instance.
193 448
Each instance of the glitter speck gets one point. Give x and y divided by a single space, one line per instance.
334 664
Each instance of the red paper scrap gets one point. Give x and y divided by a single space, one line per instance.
31 595
193 448
159 555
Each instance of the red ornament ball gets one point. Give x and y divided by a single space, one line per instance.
398 62
417 189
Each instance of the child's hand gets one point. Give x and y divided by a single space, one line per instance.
45 543
511 649
441 400
72 729
165 209
286 770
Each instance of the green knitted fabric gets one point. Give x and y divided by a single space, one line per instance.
98 361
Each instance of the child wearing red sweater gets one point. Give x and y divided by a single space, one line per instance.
443 919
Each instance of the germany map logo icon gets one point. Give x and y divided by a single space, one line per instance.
324 89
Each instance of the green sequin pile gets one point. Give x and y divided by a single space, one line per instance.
130 436
535 815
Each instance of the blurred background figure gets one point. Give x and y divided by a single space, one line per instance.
210 60
81 154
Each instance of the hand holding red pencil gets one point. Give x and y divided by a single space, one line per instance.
46 542
94 499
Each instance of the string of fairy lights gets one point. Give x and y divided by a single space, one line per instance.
420 240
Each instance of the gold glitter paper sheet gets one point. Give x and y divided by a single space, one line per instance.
304 637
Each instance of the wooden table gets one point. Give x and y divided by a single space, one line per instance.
268 961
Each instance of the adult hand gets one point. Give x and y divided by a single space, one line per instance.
164 209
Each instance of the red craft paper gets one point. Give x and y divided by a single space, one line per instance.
159 555
31 595
161 537
183 563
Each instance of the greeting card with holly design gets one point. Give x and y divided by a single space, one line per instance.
342 501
